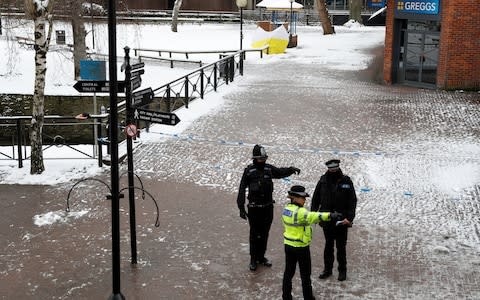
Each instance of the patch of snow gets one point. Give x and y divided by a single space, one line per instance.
57 216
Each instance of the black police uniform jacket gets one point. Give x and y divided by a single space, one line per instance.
258 180
335 195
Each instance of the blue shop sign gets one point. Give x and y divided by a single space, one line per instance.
423 7
93 70
376 3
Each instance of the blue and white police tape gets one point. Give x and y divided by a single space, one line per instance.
192 138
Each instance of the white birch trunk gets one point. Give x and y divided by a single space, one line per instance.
40 17
37 166
175 12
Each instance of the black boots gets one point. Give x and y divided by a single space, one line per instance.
265 262
325 274
252 265
342 275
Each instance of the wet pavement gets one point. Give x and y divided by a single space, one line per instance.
417 232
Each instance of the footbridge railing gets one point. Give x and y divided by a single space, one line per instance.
18 127
200 81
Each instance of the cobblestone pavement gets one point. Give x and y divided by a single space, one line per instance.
414 237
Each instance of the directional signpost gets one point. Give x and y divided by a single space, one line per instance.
136 82
92 86
142 97
156 117
134 100
137 66
138 73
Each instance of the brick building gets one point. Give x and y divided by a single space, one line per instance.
433 43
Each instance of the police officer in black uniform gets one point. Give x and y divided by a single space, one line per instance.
257 177
335 193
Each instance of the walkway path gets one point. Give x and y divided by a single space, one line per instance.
417 233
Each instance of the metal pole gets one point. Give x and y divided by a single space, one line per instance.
241 28
93 32
19 138
291 17
115 197
95 131
131 183
99 145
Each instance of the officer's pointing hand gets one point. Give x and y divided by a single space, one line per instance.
295 170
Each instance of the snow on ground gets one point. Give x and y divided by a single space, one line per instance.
416 175
17 75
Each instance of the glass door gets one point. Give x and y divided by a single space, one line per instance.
420 53
413 56
430 58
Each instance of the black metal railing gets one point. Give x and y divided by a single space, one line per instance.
200 81
19 126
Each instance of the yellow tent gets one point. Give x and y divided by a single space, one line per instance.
277 40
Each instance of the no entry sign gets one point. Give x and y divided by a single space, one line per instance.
131 130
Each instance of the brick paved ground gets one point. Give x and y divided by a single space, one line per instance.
414 238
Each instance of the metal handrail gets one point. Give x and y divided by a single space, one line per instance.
20 136
202 80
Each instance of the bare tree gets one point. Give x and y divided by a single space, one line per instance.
175 12
79 35
40 13
324 17
356 10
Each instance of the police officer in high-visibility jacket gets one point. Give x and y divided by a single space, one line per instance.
297 237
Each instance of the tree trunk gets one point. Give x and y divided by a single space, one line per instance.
324 17
79 34
175 12
37 166
356 10
39 12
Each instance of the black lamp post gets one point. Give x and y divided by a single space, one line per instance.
241 4
291 15
291 42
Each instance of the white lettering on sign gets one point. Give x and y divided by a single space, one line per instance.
420 6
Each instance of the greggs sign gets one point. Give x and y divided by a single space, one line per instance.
425 7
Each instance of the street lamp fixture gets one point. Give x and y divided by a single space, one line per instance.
241 4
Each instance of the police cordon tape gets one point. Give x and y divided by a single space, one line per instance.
356 153
279 148
286 180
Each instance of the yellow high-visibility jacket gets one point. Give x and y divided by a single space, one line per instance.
297 221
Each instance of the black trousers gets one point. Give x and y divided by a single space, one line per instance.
302 256
335 235
260 220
